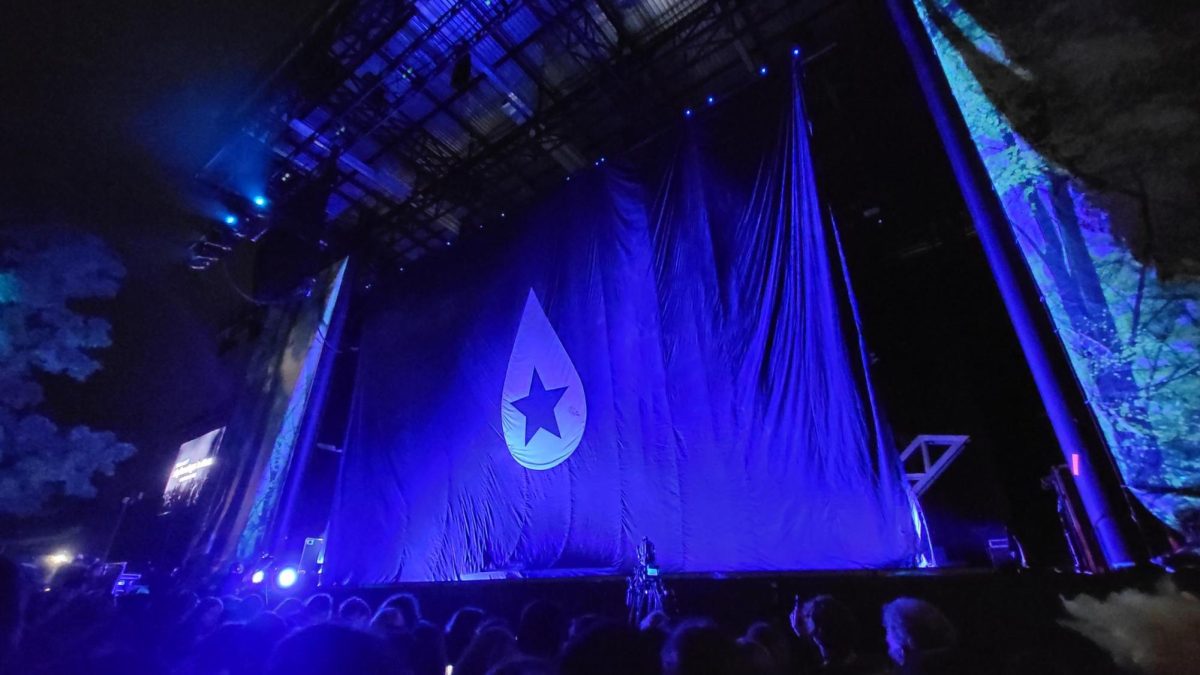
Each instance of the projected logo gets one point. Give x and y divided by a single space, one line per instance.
543 407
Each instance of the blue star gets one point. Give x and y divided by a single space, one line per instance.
538 408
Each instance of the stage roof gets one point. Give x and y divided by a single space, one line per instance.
442 115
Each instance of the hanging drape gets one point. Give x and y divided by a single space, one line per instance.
662 349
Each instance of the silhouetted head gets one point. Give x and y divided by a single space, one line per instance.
542 629
489 647
207 614
831 626
251 606
754 658
460 630
775 641
318 608
289 608
331 649
408 607
354 612
428 653
915 627
699 648
607 647
656 620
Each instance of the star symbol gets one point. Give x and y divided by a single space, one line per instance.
538 408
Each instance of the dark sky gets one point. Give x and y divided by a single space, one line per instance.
107 109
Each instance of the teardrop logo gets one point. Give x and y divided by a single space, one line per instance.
543 407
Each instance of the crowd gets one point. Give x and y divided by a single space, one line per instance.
77 630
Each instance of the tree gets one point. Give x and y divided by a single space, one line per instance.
43 273
1083 125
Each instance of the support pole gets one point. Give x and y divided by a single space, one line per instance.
1098 479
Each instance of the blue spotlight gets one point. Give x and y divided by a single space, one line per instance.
287 577
710 100
795 51
231 219
260 201
762 71
687 112
258 576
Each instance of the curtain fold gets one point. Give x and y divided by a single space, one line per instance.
690 378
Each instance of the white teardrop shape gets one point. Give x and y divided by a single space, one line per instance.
543 408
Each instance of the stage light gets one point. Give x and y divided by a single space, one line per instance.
231 219
602 160
287 577
58 559
795 51
687 112
762 71
260 201
710 100
258 576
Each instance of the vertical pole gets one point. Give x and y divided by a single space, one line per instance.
1098 480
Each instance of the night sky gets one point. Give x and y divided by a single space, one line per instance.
106 111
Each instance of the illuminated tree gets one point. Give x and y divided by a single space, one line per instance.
1085 116
43 272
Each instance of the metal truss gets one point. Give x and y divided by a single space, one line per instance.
933 454
342 99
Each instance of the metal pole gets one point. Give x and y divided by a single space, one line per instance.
112 537
1098 480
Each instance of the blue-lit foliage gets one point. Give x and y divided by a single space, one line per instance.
1133 339
42 273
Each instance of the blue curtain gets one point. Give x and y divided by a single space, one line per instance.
664 348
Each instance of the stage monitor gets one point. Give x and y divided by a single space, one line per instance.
192 464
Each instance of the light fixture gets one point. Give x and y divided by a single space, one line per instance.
258 576
231 219
260 201
687 112
762 71
795 51
58 559
710 100
287 577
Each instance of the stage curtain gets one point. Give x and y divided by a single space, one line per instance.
664 348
